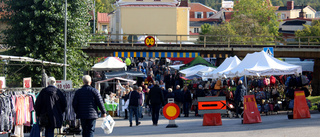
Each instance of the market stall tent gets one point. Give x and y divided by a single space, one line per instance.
195 69
262 64
196 61
110 63
176 67
228 64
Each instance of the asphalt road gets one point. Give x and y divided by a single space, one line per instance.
271 126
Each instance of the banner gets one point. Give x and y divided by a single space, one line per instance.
27 82
64 84
2 82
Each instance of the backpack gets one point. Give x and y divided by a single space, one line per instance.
299 82
255 83
304 80
272 80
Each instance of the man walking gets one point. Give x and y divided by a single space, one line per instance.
134 97
85 103
52 103
155 98
178 97
240 92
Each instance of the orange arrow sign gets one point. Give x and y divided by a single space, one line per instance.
212 105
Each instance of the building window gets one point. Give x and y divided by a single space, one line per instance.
308 15
209 14
139 0
198 15
157 0
283 16
105 28
195 30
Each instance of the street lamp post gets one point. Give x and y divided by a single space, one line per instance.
94 17
65 44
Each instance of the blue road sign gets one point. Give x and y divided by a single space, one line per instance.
269 50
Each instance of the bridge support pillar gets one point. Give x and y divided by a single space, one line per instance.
316 78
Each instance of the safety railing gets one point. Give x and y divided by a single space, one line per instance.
204 40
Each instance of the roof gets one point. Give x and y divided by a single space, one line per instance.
200 7
282 8
28 59
199 23
103 18
203 19
301 19
147 5
197 61
294 22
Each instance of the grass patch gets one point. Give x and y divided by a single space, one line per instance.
314 99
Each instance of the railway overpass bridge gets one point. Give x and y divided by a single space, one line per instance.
208 46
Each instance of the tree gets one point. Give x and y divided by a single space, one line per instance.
259 10
104 6
37 30
313 30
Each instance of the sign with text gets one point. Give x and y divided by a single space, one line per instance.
64 84
2 82
27 82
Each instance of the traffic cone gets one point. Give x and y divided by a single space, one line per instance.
300 108
251 113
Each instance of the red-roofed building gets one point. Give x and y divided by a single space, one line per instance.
199 14
103 21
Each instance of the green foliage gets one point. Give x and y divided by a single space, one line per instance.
104 6
37 30
313 30
216 4
259 12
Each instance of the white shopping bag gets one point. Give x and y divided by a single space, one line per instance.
108 124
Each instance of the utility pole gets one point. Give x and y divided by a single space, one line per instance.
65 43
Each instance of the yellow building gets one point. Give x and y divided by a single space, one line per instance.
150 17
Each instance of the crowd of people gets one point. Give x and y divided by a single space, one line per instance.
267 90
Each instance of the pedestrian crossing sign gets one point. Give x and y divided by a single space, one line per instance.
269 50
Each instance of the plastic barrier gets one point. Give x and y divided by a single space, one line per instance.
211 108
300 108
251 113
212 119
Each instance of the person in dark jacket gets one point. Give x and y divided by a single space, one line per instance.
168 79
85 104
199 93
187 100
134 97
240 92
155 98
178 97
169 95
51 102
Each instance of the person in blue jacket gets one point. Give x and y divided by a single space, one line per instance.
85 103
240 92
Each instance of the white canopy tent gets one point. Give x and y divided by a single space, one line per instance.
195 69
110 63
228 64
176 67
262 64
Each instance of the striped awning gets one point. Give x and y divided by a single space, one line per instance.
157 54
